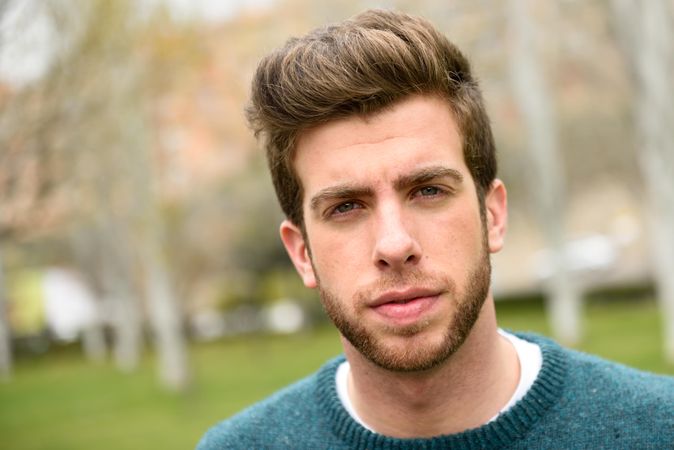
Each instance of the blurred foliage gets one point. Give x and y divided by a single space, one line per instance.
134 139
27 320
142 112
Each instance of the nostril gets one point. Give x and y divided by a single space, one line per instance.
383 263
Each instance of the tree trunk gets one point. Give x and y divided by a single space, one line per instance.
163 307
121 296
647 37
165 314
93 337
5 335
127 332
546 177
93 343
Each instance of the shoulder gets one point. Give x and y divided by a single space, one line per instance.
275 422
609 404
612 377
621 385
628 408
591 374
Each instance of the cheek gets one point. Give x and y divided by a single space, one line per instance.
337 257
457 239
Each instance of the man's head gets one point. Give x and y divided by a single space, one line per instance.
359 67
383 161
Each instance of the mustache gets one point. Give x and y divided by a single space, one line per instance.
401 280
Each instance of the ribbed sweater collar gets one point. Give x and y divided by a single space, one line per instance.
504 431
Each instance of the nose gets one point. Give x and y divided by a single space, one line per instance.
395 246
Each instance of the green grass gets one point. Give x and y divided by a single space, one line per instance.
625 331
58 401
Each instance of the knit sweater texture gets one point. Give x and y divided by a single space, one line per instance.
578 401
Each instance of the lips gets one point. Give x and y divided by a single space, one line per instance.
406 306
402 296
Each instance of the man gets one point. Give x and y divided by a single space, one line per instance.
383 161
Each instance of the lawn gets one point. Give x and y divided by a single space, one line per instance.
58 401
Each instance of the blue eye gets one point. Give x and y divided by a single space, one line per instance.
345 207
429 190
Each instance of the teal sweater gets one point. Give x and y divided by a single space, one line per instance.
578 401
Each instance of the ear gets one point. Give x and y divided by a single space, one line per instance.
297 249
496 204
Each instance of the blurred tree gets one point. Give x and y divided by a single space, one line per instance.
5 341
131 208
5 336
646 30
81 134
89 91
29 205
546 179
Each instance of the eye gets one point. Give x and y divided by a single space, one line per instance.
428 191
345 207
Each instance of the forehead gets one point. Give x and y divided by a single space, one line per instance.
417 131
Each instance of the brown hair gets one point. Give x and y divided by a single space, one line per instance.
361 66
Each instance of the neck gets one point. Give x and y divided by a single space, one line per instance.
464 392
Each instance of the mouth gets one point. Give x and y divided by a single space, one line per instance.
407 306
402 297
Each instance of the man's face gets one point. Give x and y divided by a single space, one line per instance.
396 243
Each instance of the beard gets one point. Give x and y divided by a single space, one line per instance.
417 353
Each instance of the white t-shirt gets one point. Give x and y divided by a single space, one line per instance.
528 353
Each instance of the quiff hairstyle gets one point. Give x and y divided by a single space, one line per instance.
359 67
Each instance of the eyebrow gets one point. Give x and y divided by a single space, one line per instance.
420 176
427 174
341 191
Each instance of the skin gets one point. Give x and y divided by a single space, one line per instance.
396 245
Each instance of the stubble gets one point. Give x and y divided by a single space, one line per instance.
421 354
